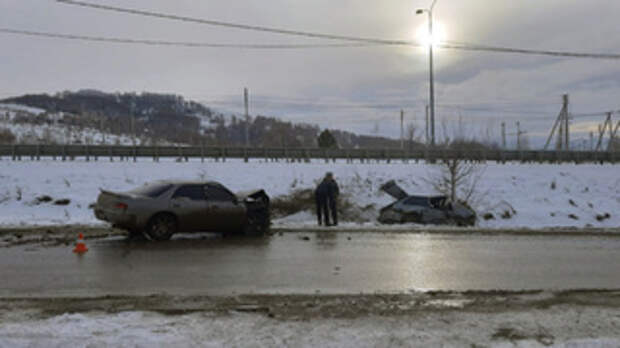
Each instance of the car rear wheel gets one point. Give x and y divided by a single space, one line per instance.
161 227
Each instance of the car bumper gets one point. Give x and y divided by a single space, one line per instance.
117 219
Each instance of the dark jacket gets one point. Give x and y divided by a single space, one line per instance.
327 189
322 190
332 189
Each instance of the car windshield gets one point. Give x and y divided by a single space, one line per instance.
151 190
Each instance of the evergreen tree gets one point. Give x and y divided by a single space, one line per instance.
326 140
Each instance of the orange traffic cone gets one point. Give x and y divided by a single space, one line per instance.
80 247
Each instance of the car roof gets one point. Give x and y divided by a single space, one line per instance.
189 182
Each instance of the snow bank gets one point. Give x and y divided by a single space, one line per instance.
541 195
451 329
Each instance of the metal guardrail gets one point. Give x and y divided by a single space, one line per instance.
70 152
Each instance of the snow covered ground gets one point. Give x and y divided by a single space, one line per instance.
27 133
541 195
9 110
560 327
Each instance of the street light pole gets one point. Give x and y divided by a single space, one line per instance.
431 74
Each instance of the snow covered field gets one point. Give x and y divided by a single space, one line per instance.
541 195
559 327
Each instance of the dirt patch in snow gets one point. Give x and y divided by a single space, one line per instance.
302 200
305 307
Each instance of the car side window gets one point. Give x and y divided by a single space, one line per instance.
218 194
421 201
193 192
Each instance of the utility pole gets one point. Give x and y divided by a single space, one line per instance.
133 129
519 133
559 145
402 130
102 132
562 122
566 123
247 117
430 61
503 135
591 141
601 131
612 141
132 122
427 125
518 136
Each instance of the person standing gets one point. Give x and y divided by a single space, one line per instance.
333 191
321 195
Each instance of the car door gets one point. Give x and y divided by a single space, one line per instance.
189 204
227 214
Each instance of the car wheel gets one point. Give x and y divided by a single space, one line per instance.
161 227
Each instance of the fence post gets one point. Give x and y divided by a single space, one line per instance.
38 152
87 153
202 153
64 153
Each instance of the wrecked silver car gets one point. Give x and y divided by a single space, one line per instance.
438 210
163 208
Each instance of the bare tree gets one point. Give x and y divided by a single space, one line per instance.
6 136
456 178
412 134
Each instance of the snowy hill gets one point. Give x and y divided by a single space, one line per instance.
172 118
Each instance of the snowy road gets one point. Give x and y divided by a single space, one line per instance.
312 262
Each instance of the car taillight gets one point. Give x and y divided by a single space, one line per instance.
121 206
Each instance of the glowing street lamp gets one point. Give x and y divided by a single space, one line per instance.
430 60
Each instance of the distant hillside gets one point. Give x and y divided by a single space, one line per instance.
172 119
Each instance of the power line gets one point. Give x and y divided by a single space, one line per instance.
451 45
234 25
175 43
478 47
593 114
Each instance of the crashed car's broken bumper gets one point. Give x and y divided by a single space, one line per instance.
117 219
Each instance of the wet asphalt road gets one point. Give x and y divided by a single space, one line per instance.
326 263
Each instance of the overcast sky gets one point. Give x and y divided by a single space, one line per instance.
360 89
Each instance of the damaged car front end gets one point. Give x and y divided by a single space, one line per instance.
436 210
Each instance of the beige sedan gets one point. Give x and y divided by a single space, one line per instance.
161 209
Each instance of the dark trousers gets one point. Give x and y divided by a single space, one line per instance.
321 209
332 208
